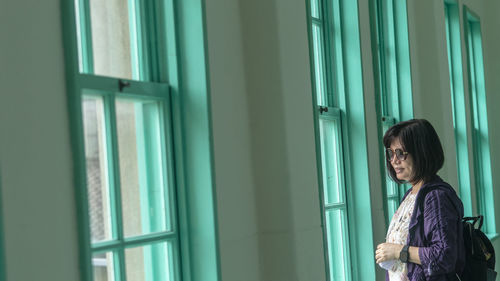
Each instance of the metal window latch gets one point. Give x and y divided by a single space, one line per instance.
323 109
122 84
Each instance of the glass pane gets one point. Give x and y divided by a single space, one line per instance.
392 206
319 66
315 8
390 95
142 177
330 157
391 187
111 38
97 168
102 265
337 244
150 263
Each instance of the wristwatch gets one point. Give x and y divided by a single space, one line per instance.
404 255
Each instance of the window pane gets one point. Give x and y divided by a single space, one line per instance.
142 177
150 263
111 37
337 244
97 175
330 158
319 66
391 187
103 267
392 206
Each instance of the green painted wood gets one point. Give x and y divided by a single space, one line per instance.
480 139
84 29
392 71
315 101
114 179
106 86
357 171
344 98
71 57
377 62
453 40
403 60
193 141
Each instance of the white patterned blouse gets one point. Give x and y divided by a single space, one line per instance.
398 234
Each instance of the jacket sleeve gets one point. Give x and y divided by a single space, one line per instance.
440 230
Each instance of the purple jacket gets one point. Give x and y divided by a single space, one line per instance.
439 237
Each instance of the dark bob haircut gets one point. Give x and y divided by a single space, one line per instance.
420 140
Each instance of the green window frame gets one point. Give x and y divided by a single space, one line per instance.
454 50
479 118
129 101
392 72
341 138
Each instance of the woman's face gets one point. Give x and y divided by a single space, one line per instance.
403 168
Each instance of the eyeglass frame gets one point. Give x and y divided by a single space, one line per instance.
402 157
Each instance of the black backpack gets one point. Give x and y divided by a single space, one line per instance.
479 252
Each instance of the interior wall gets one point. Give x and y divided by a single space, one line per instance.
490 24
36 162
430 78
372 133
431 81
236 198
261 98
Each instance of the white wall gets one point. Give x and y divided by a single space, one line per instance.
490 24
263 121
38 201
236 198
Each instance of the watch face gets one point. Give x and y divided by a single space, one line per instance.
403 255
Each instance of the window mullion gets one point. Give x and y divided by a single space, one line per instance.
339 206
146 37
109 85
114 170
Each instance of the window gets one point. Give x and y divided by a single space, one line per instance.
480 138
452 22
131 160
341 138
392 70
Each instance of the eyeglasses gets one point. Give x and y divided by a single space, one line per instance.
400 154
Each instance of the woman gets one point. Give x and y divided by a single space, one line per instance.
424 240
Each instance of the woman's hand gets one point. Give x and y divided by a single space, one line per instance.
387 251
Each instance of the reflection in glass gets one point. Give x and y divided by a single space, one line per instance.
102 265
150 263
142 169
392 207
337 244
330 157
